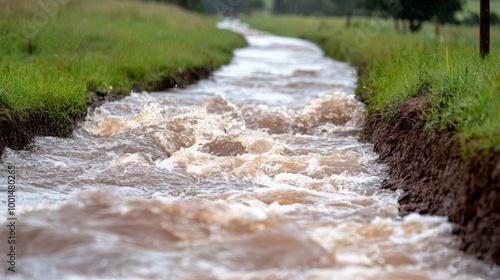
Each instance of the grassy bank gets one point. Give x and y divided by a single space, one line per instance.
461 91
53 53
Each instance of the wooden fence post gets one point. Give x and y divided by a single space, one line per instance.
484 28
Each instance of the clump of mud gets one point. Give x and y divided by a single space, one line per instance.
224 147
436 180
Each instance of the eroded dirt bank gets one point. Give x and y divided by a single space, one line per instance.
16 133
437 181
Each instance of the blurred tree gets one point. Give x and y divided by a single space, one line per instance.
233 7
304 7
250 6
415 11
192 5
343 7
225 7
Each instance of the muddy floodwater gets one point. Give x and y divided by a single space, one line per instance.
255 173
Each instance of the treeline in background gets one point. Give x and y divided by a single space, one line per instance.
410 12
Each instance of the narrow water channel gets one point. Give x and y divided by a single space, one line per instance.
255 173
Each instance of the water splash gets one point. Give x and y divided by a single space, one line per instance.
256 173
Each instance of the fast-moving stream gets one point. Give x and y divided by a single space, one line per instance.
256 173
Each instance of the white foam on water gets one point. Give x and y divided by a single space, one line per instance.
255 173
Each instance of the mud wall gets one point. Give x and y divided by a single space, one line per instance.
437 180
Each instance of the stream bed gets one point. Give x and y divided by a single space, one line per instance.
255 173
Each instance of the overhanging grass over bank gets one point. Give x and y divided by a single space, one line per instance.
460 90
53 53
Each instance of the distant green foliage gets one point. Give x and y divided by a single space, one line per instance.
304 7
461 91
224 7
442 10
415 12
470 13
471 18
251 6
234 7
473 6
192 5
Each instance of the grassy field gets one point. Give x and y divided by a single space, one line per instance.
473 6
52 55
462 91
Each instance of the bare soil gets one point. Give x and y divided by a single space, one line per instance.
437 180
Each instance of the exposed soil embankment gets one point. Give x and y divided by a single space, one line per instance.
437 180
16 132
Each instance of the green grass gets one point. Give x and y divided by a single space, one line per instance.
461 90
473 6
91 45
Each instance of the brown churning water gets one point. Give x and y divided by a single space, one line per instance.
256 173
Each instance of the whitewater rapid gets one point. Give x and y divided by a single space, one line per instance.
255 173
